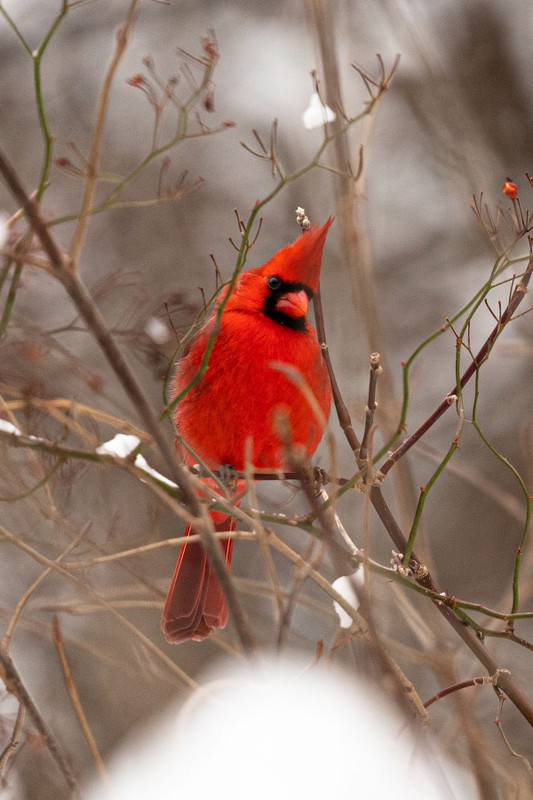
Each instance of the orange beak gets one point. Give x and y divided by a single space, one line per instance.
294 304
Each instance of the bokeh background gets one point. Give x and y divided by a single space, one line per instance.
455 123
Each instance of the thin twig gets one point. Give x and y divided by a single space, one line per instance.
87 589
314 556
259 530
483 353
343 414
35 585
478 681
122 37
513 752
75 700
375 371
11 748
16 686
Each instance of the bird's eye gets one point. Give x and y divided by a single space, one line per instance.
274 282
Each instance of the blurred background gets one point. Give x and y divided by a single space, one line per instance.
455 123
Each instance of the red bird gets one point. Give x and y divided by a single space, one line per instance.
264 320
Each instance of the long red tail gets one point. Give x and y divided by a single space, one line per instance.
195 602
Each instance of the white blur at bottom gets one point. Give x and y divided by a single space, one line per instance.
276 732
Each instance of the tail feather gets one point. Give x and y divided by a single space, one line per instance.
195 602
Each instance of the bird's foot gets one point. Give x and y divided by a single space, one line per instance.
229 477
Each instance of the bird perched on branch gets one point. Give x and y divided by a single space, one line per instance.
229 414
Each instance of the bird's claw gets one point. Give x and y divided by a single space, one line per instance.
229 476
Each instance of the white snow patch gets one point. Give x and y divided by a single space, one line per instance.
157 331
4 230
313 735
121 445
344 587
141 463
316 113
8 427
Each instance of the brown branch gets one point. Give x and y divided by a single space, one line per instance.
424 578
511 750
420 572
87 589
343 415
11 747
96 144
375 371
25 258
314 555
64 452
15 686
75 699
516 298
483 680
6 640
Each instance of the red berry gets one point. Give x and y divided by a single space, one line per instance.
510 189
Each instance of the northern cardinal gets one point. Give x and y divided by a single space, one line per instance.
263 321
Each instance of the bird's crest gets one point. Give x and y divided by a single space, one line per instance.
300 261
